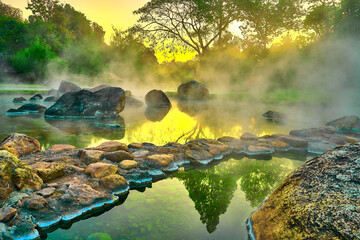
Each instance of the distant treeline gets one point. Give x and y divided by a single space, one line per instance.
56 38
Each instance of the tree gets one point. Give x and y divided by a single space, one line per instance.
195 25
42 9
10 12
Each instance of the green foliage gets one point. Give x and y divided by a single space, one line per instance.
33 59
11 35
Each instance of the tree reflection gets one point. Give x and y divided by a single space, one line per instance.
213 189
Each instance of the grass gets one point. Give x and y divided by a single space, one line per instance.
3 85
16 91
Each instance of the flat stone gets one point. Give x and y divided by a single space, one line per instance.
319 147
136 145
118 156
46 192
310 132
160 160
248 137
7 214
99 170
141 154
128 164
259 150
112 146
91 156
346 122
36 203
277 144
198 155
114 181
59 148
293 141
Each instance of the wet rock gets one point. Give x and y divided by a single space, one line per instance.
20 144
113 181
36 202
112 147
48 171
91 156
279 145
66 87
274 116
14 174
51 99
320 200
248 137
157 98
156 114
259 150
7 214
46 192
138 178
29 108
106 103
192 90
345 123
118 156
61 148
99 170
319 147
141 154
313 132
235 143
293 141
128 164
198 155
36 98
19 100
98 88
136 146
160 160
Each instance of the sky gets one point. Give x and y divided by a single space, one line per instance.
106 13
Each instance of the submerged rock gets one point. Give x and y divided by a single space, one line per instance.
157 98
274 116
66 87
26 109
19 100
320 200
36 98
106 103
192 90
20 144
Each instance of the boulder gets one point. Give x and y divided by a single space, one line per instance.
20 144
36 98
98 88
29 108
111 146
16 175
66 87
51 99
274 116
48 171
192 90
311 132
106 103
157 98
128 164
99 170
113 181
320 200
19 100
91 156
345 123
118 156
160 160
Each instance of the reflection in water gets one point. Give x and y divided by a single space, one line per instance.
193 107
156 114
112 129
171 208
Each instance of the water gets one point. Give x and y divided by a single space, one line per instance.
211 203
183 122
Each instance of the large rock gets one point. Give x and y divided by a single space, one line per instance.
20 144
29 108
66 87
19 100
108 102
100 169
344 123
320 200
192 90
157 98
311 132
16 175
